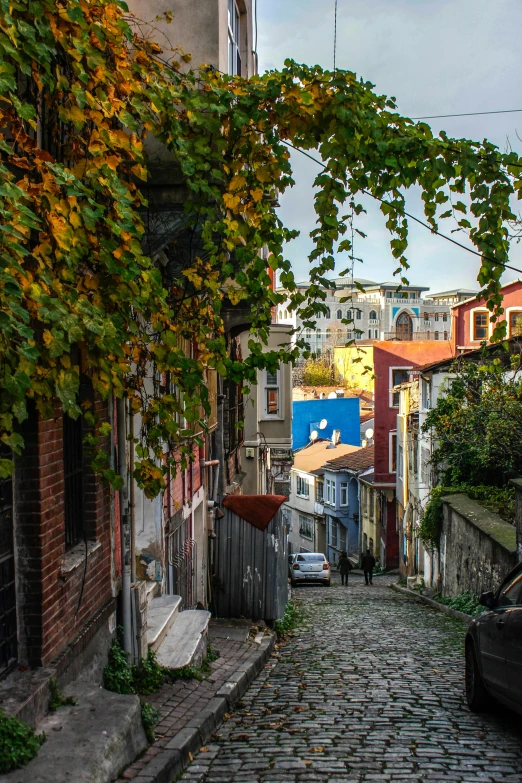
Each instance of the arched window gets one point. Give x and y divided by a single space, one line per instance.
404 327
339 315
286 313
359 313
428 334
436 335
373 315
445 335
376 334
349 315
328 332
370 333
327 313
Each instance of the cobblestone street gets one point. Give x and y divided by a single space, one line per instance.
370 688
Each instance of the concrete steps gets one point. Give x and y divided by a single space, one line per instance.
161 616
186 641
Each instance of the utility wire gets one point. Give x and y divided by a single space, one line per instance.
412 217
467 114
335 35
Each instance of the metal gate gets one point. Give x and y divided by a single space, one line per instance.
181 562
8 640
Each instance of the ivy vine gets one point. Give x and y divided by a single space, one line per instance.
80 91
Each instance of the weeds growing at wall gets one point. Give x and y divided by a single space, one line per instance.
18 743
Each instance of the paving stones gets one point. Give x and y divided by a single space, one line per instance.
369 689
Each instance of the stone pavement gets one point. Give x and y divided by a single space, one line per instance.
180 703
368 690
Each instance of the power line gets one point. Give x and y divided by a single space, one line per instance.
412 217
467 114
335 35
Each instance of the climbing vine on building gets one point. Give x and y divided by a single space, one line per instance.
80 90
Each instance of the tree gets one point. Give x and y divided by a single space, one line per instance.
79 90
477 423
317 373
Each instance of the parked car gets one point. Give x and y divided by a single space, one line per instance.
309 567
494 647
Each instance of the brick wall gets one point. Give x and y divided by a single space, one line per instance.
49 581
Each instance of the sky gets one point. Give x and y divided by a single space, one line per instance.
435 57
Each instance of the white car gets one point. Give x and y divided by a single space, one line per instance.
309 567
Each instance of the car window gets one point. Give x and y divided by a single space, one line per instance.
311 558
511 592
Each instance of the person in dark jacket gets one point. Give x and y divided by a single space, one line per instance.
344 567
368 564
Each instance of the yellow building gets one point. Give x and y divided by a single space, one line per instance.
354 363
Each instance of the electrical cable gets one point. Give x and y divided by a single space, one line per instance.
467 114
335 35
412 217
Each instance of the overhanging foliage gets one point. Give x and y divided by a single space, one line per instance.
79 90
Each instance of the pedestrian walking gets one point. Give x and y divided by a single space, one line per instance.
368 564
344 567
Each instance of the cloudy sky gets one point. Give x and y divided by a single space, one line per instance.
435 57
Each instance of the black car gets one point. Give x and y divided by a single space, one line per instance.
494 647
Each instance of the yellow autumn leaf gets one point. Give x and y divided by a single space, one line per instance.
264 174
231 201
237 182
257 194
47 337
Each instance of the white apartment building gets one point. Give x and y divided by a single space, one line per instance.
380 312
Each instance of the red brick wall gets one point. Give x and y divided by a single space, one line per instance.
51 612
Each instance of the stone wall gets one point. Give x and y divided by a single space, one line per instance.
477 548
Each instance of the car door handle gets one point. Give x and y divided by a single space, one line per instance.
500 623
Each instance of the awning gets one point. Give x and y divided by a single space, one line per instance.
257 510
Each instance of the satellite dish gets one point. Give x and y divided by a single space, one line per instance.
332 396
323 424
369 433
314 435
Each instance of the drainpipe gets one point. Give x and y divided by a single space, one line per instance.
125 525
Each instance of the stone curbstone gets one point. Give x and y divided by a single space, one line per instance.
465 618
177 754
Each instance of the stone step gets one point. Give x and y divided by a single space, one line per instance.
186 641
161 615
89 742
152 590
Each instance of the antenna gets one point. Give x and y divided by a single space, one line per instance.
369 433
314 435
323 424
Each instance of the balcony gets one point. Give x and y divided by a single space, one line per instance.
413 336
318 509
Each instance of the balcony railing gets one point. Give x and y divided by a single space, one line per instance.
414 335
318 509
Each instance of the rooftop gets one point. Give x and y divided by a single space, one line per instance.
360 460
455 292
314 456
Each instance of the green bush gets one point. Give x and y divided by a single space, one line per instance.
290 618
18 743
149 675
149 718
117 673
465 602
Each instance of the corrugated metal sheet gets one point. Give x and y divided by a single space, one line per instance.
251 568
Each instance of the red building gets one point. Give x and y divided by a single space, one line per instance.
471 319
393 362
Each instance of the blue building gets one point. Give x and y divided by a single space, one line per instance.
326 416
341 501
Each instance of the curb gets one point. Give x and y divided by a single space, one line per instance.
465 618
179 751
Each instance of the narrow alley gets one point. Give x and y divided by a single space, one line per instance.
369 688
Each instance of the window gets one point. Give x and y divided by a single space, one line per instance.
425 466
444 317
393 452
445 335
305 527
480 326
358 314
234 57
333 529
435 335
398 375
272 393
319 491
388 294
342 537
348 335
372 503
376 334
303 487
373 315
515 323
436 317
328 492
413 294
333 493
400 461
404 327
426 318
349 315
339 314
370 333
344 493
327 313
511 592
